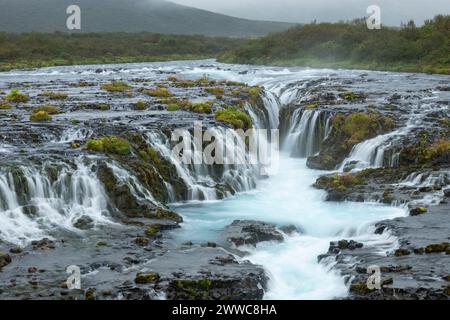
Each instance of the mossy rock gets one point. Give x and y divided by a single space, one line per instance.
437 248
116 86
141 105
90 294
234 117
360 288
55 95
169 215
153 230
16 96
4 105
191 289
173 107
402 252
201 107
417 211
141 241
146 278
40 116
50 109
112 144
158 92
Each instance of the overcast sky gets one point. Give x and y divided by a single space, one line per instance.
393 11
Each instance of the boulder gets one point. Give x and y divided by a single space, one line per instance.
248 232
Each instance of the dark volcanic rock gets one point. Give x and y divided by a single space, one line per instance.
248 232
5 259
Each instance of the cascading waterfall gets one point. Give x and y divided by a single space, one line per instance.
307 128
41 204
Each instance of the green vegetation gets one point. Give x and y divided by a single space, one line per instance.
360 126
54 95
112 145
5 105
234 117
141 105
440 148
16 96
202 107
153 230
50 49
353 45
173 107
116 86
40 116
158 92
145 278
50 109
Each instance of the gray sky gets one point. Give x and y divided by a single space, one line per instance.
393 12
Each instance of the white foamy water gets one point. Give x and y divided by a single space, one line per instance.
288 198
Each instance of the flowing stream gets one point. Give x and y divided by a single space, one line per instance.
287 198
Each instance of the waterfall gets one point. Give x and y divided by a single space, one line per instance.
206 182
43 203
305 132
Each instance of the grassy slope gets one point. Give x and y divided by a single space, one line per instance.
352 45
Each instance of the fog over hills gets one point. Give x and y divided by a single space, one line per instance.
156 16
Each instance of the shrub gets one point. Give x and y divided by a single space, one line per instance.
116 86
54 95
16 96
158 92
234 117
113 145
40 116
50 109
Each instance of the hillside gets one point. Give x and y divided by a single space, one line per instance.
156 16
352 45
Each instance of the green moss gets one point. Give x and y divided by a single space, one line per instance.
216 91
112 144
437 248
170 215
234 117
16 96
141 241
40 116
103 106
116 86
158 92
336 181
173 107
153 230
50 109
349 96
402 252
446 121
90 294
141 105
202 107
102 244
146 278
440 148
360 288
54 95
5 105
